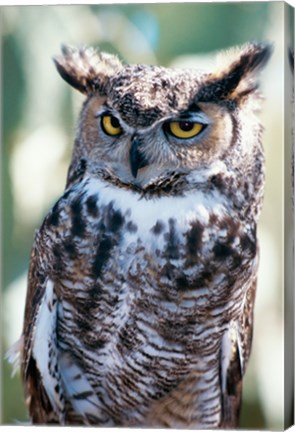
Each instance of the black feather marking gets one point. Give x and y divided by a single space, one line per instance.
91 205
78 224
70 248
116 221
194 238
222 250
172 246
102 256
131 227
158 228
53 218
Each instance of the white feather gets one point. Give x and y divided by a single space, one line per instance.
45 334
229 339
195 205
75 383
13 355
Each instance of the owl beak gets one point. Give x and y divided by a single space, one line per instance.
137 159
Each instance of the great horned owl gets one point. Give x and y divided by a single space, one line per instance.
142 279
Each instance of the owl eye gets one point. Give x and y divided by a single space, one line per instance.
185 129
111 125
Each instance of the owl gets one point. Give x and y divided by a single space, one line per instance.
142 279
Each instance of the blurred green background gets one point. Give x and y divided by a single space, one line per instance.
39 112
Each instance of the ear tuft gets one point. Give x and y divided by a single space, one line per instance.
86 69
251 58
235 77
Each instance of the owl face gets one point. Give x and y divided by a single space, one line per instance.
142 122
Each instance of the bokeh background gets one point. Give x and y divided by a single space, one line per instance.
39 112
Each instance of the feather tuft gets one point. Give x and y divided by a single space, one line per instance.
13 355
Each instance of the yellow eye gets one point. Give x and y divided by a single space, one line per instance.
111 125
185 129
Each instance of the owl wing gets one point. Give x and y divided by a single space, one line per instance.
235 352
55 385
44 398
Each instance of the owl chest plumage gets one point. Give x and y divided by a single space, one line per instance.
145 288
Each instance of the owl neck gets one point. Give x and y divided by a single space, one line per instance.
163 184
171 183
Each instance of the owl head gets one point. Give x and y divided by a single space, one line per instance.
141 123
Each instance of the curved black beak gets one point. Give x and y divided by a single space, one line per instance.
137 159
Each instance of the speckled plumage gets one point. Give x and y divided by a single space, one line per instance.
142 278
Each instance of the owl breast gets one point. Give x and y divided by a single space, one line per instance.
145 310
